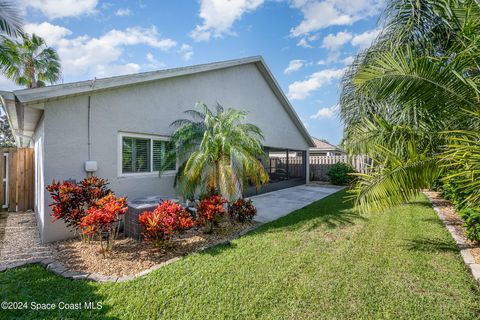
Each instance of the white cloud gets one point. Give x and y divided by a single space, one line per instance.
186 51
333 42
320 14
348 60
154 63
303 43
51 33
326 113
100 56
219 15
305 123
123 12
294 65
364 40
333 57
7 84
54 9
116 69
301 89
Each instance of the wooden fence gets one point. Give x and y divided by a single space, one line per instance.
319 165
17 179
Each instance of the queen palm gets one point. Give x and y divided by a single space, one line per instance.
406 94
218 151
29 61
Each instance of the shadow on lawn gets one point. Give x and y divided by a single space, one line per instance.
218 249
420 202
431 245
35 286
433 220
331 212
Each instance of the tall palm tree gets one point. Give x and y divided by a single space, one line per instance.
29 61
416 82
10 20
218 151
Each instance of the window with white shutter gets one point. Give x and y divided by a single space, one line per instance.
160 150
144 154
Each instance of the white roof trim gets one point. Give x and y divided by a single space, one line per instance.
37 96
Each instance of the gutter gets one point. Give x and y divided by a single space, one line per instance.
16 122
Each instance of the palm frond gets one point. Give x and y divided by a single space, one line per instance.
217 151
396 180
11 21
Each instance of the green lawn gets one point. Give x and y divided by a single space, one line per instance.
321 262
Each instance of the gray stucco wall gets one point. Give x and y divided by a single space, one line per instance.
149 109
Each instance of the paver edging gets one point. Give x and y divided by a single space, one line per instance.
459 239
59 269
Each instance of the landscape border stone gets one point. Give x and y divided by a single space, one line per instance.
461 242
59 269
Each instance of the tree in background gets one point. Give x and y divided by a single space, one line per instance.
29 61
410 97
219 152
6 137
10 20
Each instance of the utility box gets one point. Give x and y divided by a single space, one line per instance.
91 166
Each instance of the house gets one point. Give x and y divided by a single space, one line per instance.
118 127
325 148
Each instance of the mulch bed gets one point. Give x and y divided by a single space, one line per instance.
132 256
455 220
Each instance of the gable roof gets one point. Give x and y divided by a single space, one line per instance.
34 98
324 144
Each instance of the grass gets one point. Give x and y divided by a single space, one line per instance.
324 261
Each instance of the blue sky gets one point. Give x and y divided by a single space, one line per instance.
306 43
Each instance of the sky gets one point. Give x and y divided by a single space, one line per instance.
307 44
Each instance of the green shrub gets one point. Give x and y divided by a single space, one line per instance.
451 191
471 217
339 173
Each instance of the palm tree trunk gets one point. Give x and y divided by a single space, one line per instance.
30 71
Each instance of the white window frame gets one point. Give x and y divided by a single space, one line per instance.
152 137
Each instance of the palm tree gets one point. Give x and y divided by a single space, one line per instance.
219 152
10 20
29 62
418 81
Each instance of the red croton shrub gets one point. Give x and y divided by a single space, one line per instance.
161 224
71 201
103 220
210 210
242 210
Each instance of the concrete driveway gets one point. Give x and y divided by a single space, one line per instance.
276 204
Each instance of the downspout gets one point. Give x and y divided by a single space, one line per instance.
88 129
89 142
20 119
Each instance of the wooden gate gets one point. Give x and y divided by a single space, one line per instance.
17 179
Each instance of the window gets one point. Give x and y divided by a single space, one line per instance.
144 154
160 148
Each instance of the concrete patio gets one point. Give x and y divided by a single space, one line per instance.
274 205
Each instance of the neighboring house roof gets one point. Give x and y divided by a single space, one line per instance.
324 145
34 98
